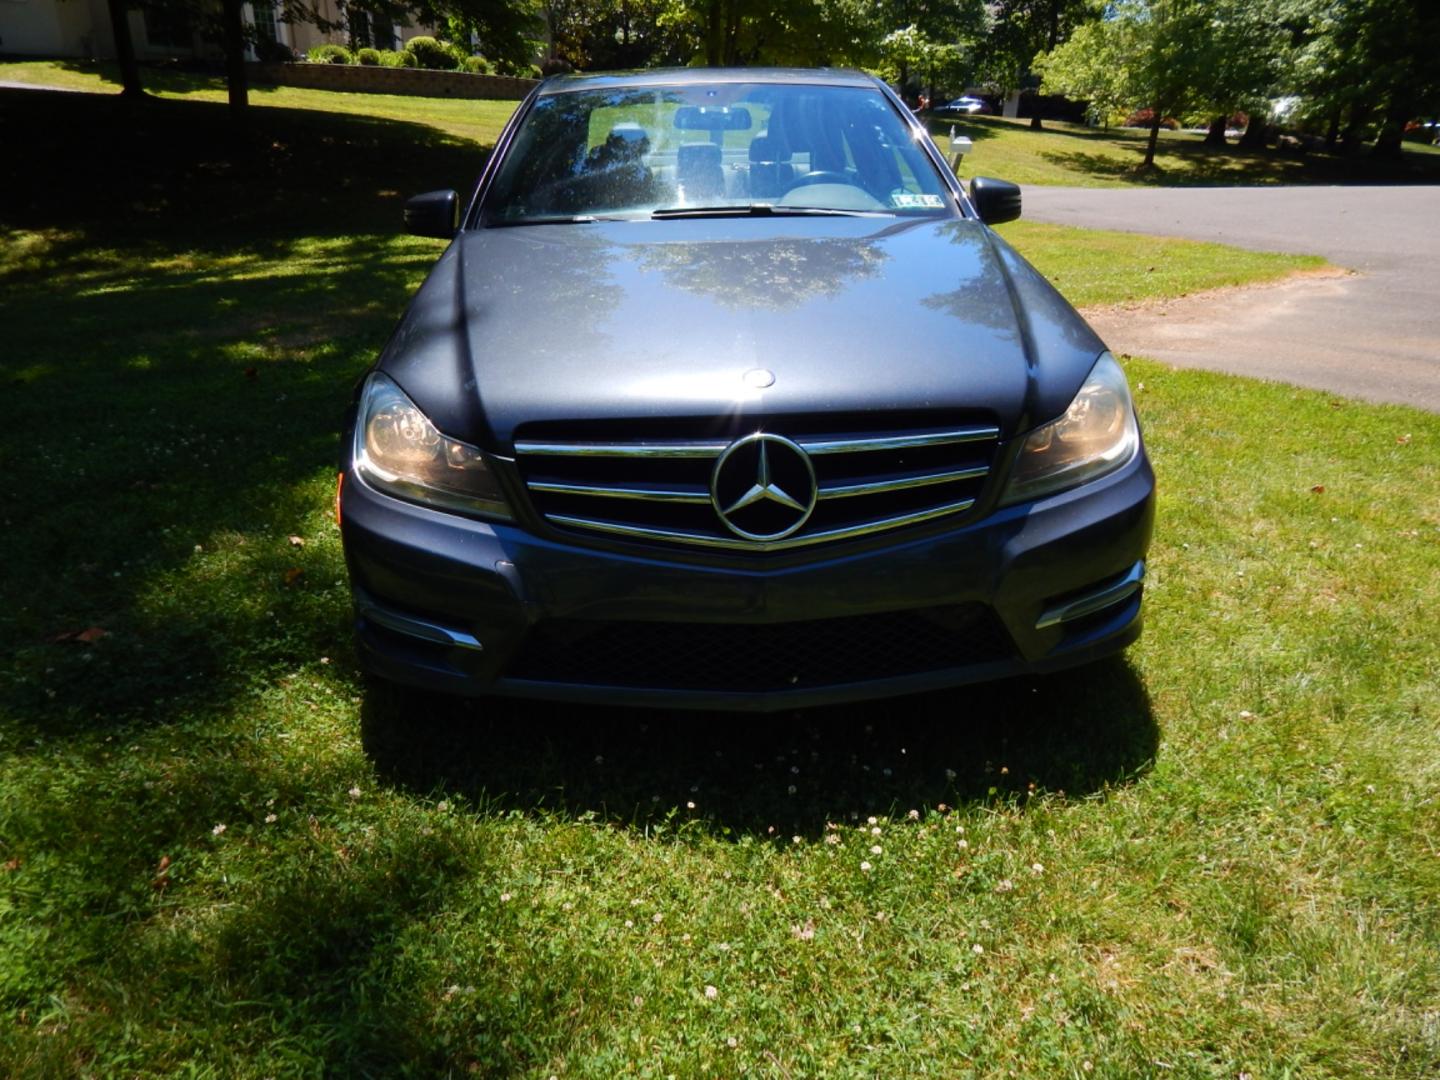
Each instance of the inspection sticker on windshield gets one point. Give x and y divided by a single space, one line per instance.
904 200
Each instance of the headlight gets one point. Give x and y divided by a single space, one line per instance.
1096 435
398 450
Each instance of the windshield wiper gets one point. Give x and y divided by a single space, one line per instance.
761 210
555 219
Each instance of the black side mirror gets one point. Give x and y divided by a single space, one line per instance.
436 213
995 201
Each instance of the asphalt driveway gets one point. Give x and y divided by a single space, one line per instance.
1372 335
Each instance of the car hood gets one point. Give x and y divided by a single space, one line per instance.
632 320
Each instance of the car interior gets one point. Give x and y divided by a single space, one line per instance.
829 149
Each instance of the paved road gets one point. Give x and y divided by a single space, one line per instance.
11 84
1374 335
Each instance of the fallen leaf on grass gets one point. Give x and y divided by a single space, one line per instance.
293 575
162 873
1318 489
1402 439
88 636
12 865
296 541
252 374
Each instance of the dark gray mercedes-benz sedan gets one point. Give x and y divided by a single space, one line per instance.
724 394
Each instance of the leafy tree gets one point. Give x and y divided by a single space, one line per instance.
1237 60
908 51
609 34
1368 59
508 32
1142 55
1092 67
1023 28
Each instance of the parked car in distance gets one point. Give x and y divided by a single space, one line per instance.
724 394
962 106
1424 131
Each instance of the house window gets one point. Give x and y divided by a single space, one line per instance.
360 35
383 33
265 28
168 28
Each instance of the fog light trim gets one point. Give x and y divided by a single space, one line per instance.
1095 601
413 627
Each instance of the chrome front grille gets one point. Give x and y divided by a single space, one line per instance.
664 489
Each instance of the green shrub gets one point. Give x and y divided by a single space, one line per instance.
430 53
402 59
272 52
330 54
368 57
478 65
523 71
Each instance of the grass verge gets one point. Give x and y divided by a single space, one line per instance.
1077 156
220 855
1095 266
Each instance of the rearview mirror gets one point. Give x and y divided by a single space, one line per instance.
712 118
995 201
436 213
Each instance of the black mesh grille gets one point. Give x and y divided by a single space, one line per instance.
759 657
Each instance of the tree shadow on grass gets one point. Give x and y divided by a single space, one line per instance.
170 77
186 312
178 174
1193 164
1076 733
181 342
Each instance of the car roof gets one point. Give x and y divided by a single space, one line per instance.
561 84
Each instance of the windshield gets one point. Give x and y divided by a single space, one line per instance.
721 147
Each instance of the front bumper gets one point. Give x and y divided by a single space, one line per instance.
471 607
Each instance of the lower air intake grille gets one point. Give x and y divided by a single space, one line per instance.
762 657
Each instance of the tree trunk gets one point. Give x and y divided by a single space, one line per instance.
732 33
1154 140
1255 132
1052 38
1350 134
1388 144
125 51
714 33
1216 135
235 78
1332 134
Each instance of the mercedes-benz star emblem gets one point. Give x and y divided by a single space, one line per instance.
763 487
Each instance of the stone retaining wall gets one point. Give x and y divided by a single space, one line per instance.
373 79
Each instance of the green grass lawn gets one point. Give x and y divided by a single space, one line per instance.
221 855
1095 266
1062 153
1074 155
478 121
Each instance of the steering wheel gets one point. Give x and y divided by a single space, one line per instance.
821 176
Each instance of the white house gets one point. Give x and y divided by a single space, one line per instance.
81 28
